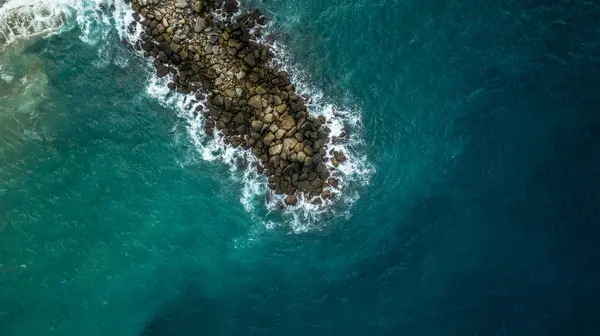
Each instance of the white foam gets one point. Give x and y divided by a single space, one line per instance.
356 171
95 18
95 23
5 76
21 19
352 175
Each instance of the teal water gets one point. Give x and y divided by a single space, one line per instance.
479 124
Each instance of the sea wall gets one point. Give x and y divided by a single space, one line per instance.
210 53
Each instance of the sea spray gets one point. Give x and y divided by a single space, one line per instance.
342 121
93 18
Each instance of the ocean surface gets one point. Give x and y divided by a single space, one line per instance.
471 204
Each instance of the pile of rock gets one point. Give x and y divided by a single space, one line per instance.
250 104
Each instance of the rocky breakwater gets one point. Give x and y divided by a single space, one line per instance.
249 104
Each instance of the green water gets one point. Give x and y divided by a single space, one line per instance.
479 122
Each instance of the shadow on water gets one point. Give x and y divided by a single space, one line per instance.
191 313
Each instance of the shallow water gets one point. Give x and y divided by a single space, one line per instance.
476 127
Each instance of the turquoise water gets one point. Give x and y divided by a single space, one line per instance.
475 125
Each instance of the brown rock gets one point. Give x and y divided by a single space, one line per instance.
333 182
281 108
275 150
269 118
287 122
268 138
230 93
279 134
291 200
255 102
301 156
339 156
299 147
290 143
257 125
260 90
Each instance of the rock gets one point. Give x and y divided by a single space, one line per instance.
326 194
250 59
304 185
239 118
308 151
260 90
183 54
308 162
162 57
257 125
281 108
218 100
255 102
249 103
339 156
317 183
279 134
290 143
275 150
269 118
213 112
268 138
333 182
198 6
301 156
287 122
200 25
225 117
230 93
162 71
181 4
213 39
291 200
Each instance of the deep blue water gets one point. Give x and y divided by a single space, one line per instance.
481 120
